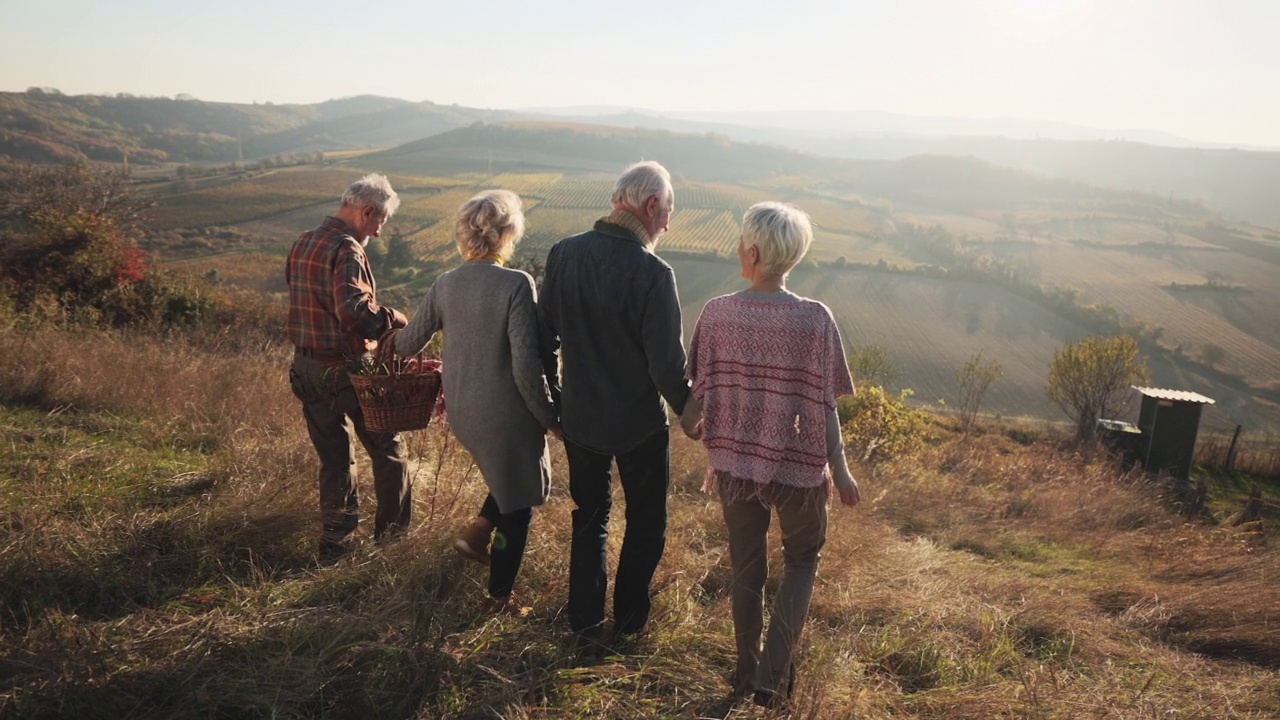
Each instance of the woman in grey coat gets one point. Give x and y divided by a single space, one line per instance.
500 404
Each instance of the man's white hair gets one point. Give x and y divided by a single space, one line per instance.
372 189
780 231
641 181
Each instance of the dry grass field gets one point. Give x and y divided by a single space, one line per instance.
157 521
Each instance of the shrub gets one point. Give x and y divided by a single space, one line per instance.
1086 378
972 381
878 425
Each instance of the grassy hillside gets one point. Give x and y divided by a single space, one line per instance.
39 126
157 521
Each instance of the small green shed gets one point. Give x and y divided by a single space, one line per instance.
1169 421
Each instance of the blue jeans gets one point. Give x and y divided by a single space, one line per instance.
645 473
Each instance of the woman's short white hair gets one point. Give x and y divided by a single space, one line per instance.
489 223
372 189
641 181
780 231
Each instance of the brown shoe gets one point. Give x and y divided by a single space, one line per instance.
509 605
474 543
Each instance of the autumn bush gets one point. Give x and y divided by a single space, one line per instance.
879 425
68 256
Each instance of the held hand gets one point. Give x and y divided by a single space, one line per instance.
398 320
695 433
386 349
691 418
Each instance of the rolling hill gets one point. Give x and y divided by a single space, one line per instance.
933 258
47 126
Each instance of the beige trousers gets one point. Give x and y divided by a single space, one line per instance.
802 516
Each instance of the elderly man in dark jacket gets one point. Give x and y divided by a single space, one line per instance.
612 309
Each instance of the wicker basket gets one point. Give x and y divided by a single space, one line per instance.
392 403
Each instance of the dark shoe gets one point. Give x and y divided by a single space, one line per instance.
773 699
741 689
389 535
623 638
333 550
590 644
769 699
509 605
473 544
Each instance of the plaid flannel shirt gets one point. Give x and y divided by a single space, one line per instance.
332 306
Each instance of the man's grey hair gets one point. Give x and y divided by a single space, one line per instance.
372 189
641 181
781 232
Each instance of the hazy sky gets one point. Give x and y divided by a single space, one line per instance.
1208 70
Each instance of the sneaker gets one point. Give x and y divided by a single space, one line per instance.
474 543
509 605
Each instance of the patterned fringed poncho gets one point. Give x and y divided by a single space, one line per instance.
766 372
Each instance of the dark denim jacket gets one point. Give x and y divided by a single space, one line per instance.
612 306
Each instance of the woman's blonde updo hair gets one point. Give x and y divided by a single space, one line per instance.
490 223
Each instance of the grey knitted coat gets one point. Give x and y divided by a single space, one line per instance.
499 404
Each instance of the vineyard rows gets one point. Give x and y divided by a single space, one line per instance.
525 184
547 224
248 199
702 230
828 245
578 195
436 243
932 327
840 218
734 200
1134 283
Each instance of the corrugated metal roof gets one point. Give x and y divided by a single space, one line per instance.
1181 395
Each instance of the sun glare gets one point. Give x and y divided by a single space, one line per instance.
1044 8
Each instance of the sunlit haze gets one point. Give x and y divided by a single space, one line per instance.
1206 71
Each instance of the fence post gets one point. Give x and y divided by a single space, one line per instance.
1231 451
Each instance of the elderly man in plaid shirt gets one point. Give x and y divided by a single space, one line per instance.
334 317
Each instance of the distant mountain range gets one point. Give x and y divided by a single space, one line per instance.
46 126
878 124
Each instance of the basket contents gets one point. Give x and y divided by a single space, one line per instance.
397 395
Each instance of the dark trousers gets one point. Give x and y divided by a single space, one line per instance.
511 534
645 475
332 413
